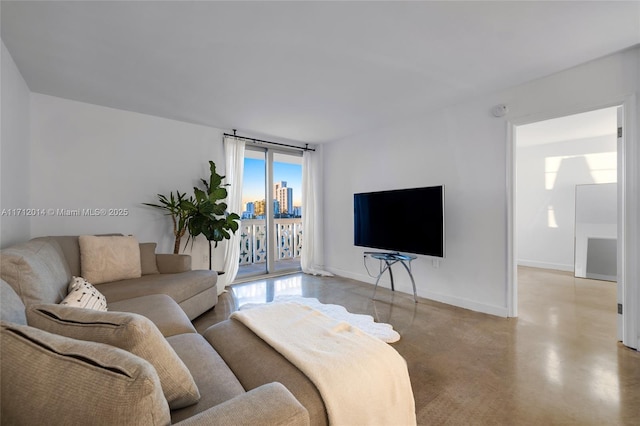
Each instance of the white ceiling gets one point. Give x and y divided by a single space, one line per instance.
302 71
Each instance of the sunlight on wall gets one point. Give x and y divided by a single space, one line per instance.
602 167
551 217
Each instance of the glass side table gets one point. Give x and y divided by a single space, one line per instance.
390 259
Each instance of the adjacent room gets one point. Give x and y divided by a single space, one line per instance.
320 212
567 207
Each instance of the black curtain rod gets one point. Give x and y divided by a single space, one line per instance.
305 148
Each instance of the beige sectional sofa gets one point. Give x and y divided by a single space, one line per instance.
194 290
142 361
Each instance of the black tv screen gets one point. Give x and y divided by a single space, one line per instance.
403 220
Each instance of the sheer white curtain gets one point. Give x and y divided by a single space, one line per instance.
234 162
311 258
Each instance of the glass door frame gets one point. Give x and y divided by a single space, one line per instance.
270 225
269 213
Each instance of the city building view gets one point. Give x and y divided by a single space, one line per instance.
283 205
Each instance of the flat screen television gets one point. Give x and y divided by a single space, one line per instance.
402 220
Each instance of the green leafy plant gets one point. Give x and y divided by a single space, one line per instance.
175 207
207 213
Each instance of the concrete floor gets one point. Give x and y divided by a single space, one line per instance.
558 363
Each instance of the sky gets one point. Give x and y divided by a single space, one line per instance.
253 184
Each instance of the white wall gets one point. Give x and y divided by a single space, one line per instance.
85 156
465 148
436 149
596 231
14 153
547 176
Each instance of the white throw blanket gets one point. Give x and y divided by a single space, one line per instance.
362 380
366 323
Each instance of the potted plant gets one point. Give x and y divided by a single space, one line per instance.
207 214
179 215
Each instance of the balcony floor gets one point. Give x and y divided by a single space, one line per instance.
260 268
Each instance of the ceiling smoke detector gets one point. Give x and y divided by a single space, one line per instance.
500 110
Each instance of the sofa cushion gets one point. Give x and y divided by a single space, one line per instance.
148 262
161 309
69 381
131 332
70 249
109 258
255 363
270 404
216 381
11 307
180 286
84 295
36 270
200 303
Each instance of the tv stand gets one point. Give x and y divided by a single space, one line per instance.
390 259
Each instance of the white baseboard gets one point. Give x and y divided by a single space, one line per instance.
546 265
500 311
358 277
602 277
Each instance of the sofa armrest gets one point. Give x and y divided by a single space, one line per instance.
270 404
173 263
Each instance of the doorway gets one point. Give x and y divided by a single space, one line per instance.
553 161
271 231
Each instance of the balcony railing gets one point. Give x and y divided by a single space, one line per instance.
253 242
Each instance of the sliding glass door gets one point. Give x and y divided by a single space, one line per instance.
271 227
253 228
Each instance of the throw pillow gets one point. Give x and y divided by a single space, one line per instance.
36 270
109 258
49 379
131 332
148 259
84 295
